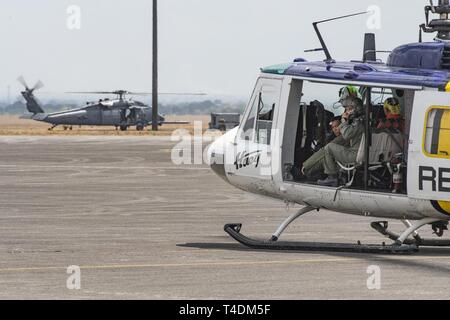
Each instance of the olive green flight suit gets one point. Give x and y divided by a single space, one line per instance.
352 133
314 165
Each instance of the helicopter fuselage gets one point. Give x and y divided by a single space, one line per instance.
275 136
107 113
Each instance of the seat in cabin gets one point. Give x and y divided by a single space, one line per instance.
385 145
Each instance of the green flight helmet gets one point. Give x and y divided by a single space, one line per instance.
347 93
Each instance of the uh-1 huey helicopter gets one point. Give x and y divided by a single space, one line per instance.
397 174
121 112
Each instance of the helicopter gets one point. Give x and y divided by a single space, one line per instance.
121 112
400 175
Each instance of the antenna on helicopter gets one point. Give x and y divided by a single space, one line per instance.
324 47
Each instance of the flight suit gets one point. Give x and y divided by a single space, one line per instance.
314 165
351 133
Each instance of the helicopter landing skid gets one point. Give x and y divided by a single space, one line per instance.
382 227
234 231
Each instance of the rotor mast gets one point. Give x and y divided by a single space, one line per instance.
121 94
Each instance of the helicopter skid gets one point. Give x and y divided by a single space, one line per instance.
382 228
234 231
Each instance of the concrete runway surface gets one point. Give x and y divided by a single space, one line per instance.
140 227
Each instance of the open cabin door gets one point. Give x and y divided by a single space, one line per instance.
429 150
253 143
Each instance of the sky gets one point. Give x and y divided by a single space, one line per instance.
211 46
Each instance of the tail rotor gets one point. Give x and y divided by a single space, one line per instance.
37 86
31 101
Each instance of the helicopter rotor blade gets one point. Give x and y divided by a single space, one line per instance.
183 93
168 94
90 92
38 85
23 82
137 93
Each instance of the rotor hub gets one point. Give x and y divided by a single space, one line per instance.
441 25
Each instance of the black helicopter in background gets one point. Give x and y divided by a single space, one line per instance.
120 112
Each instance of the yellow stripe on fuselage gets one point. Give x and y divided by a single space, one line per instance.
445 205
443 140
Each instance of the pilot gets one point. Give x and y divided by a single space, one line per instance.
314 166
394 119
352 129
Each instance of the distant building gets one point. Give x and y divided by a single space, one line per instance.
224 121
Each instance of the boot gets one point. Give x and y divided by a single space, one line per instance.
330 181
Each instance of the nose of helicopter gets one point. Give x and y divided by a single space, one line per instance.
216 157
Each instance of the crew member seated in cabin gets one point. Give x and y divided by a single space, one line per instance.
336 132
394 119
352 129
314 166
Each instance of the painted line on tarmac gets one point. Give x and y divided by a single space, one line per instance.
210 264
174 265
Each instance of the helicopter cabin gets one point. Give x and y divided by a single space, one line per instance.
294 107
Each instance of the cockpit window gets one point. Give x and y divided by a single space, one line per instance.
257 126
268 100
248 128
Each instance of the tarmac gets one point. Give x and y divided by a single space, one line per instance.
139 226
